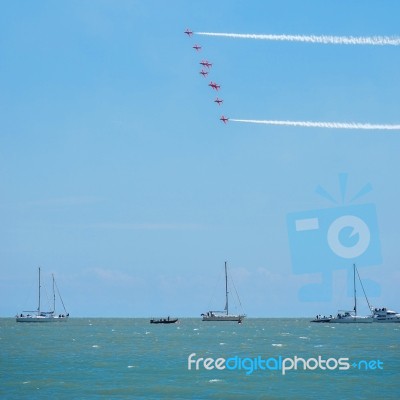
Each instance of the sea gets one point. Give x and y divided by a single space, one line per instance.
129 358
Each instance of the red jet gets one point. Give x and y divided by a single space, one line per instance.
214 85
218 101
206 64
188 32
224 119
204 73
197 47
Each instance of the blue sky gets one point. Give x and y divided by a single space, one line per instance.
117 176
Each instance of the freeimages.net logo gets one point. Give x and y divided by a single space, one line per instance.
325 240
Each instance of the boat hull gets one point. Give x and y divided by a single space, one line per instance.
233 318
387 320
38 319
321 320
352 320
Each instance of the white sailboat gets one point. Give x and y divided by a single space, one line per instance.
39 315
344 316
349 316
223 315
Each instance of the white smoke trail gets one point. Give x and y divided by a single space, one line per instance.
366 40
311 124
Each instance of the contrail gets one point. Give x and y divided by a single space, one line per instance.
313 124
355 40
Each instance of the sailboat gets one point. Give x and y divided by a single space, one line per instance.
39 315
345 316
223 315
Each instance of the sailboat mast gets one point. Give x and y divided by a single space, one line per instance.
39 294
226 289
355 291
54 296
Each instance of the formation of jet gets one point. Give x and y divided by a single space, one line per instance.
214 85
205 71
206 64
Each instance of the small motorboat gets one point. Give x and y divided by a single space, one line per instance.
167 320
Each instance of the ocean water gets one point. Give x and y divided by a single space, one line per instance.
114 358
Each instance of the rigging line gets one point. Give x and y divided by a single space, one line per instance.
59 295
237 294
47 296
366 298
